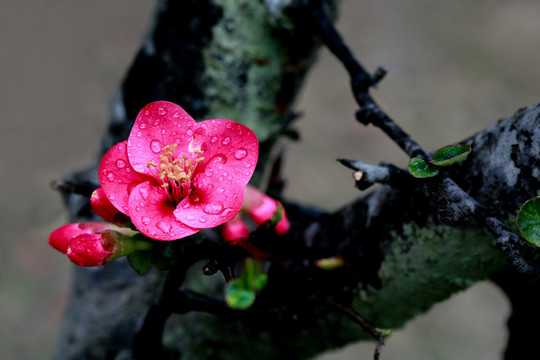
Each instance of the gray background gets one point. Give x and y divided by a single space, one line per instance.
455 68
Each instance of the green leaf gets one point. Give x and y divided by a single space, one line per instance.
237 296
140 261
240 293
528 221
451 154
421 169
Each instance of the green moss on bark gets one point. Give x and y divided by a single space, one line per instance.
426 265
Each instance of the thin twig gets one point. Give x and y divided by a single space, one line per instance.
360 320
370 112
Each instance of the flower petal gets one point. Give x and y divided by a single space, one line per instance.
152 214
210 209
230 152
117 177
159 124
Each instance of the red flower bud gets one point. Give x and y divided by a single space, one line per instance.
284 225
105 209
95 243
261 208
93 249
235 230
60 238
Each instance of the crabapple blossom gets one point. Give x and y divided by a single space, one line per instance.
174 176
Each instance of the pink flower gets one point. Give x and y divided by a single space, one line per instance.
174 176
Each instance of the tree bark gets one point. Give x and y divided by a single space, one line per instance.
245 60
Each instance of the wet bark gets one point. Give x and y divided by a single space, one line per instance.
401 256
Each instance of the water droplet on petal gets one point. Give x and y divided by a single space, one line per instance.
240 153
120 163
213 208
145 220
227 212
139 167
162 111
214 139
144 192
147 112
139 134
156 123
155 145
229 125
221 190
202 220
163 131
142 126
226 140
218 159
248 165
191 217
186 205
110 176
209 171
164 226
176 114
190 132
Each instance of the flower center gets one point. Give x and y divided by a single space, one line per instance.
175 173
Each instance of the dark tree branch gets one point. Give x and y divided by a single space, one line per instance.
393 246
371 112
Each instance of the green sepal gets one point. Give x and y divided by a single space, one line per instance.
451 154
528 221
421 169
140 261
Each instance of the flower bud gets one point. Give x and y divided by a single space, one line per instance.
92 249
235 230
259 206
262 208
60 238
283 226
102 206
95 243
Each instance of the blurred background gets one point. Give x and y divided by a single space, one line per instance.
455 67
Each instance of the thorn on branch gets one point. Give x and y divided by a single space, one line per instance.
379 74
366 175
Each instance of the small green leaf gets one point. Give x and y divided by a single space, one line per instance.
528 221
421 169
451 154
140 261
240 293
237 296
259 282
